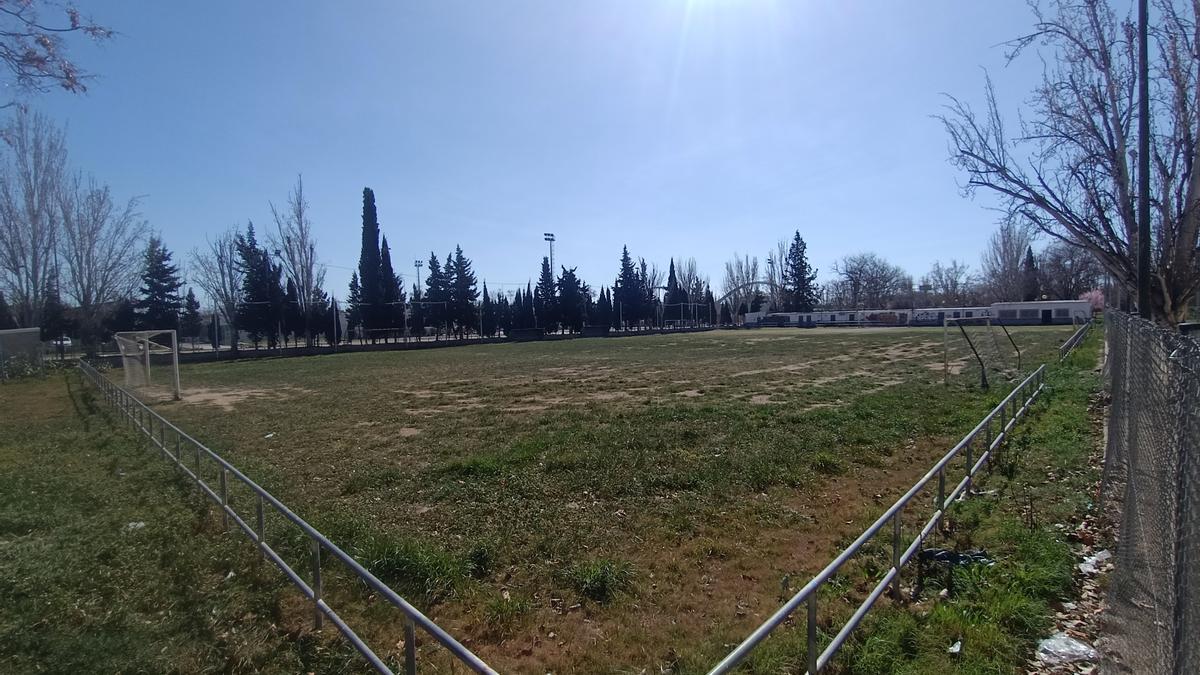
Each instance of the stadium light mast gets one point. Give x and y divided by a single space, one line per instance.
418 264
549 236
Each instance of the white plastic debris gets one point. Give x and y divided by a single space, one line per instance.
1091 564
135 525
955 648
270 435
1062 648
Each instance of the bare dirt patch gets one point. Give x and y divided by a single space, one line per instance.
230 399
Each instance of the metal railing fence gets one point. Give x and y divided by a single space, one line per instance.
986 437
1152 469
190 457
1080 335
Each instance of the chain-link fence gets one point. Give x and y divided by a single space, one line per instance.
1152 466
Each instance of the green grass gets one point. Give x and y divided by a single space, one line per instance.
707 467
109 562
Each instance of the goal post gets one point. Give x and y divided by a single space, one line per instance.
137 347
977 339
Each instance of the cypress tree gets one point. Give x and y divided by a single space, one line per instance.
354 309
436 294
711 315
1031 287
726 315
800 290
527 307
488 314
369 266
293 318
159 303
392 296
331 324
463 293
503 313
417 319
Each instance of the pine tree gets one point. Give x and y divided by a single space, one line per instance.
627 300
650 303
527 312
488 314
7 321
261 311
191 325
159 303
370 286
331 324
1031 287
726 315
354 309
392 296
800 290
463 291
55 323
757 301
503 313
711 315
293 318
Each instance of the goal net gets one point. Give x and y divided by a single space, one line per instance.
979 347
141 369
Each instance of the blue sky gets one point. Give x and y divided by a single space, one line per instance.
680 128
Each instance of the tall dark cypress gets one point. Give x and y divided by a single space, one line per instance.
371 289
463 293
436 294
545 299
627 299
391 297
354 310
487 314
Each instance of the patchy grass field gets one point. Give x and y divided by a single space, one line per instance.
603 504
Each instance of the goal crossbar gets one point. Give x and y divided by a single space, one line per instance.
137 346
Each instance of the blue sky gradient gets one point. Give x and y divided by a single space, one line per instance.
680 128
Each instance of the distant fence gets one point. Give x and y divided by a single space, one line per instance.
976 449
193 459
1152 465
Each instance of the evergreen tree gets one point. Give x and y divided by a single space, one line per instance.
417 319
159 303
572 303
331 324
726 315
527 307
757 301
711 311
545 300
463 292
503 313
191 325
627 300
676 298
488 314
55 323
650 302
800 290
1031 286
123 318
392 296
370 286
261 310
437 294
7 321
293 318
354 309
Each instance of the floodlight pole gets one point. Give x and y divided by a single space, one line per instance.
549 236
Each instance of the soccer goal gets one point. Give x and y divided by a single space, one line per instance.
978 342
137 347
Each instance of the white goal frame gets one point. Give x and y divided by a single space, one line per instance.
959 322
136 346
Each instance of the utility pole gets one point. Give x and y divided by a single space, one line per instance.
1143 252
549 236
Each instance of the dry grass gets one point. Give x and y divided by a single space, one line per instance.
689 475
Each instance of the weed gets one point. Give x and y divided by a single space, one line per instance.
602 579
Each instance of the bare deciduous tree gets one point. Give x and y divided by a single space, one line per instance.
740 272
218 271
100 250
1067 271
31 180
776 262
1001 264
1068 169
32 48
297 249
951 285
869 281
687 272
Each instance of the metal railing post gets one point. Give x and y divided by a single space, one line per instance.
812 632
318 615
198 478
225 497
970 465
410 647
896 554
261 523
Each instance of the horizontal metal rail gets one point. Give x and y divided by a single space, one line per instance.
992 431
180 448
